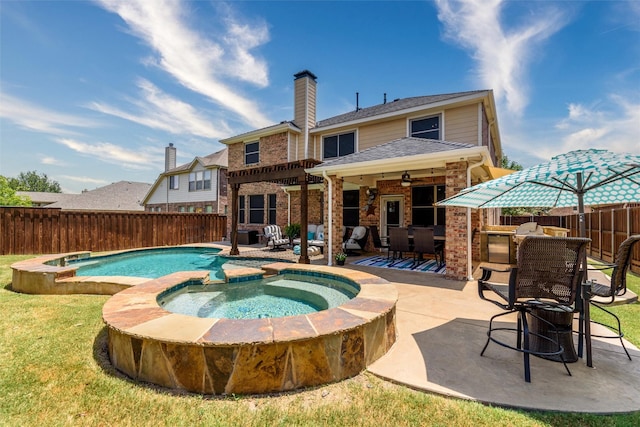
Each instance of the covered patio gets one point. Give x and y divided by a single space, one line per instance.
397 184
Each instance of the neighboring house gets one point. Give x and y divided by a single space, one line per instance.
43 198
384 165
119 196
197 186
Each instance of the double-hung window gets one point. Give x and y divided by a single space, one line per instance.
174 182
350 208
241 210
423 212
272 209
339 145
200 180
256 209
428 128
252 153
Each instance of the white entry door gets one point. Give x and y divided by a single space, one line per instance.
392 214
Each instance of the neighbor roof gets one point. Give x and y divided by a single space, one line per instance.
219 158
394 106
119 196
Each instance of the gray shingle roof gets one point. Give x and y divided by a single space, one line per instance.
119 196
219 158
393 106
403 147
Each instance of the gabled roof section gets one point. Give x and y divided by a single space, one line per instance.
217 159
398 106
283 126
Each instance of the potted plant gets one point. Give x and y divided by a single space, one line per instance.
340 257
292 231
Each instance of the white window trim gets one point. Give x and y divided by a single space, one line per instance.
426 116
356 145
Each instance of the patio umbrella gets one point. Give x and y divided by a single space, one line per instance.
577 178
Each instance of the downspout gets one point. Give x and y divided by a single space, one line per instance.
330 219
469 230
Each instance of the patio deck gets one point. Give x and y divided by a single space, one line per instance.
442 328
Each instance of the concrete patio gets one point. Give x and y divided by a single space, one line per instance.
442 327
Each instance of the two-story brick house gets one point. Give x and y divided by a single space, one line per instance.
197 186
408 154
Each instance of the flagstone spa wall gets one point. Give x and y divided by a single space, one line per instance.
216 356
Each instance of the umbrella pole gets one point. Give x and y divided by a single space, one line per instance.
586 316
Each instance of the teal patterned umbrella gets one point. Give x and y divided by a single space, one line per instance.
577 178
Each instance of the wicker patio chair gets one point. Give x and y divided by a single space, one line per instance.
375 238
423 243
617 287
399 241
547 276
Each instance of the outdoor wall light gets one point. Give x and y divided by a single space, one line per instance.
406 179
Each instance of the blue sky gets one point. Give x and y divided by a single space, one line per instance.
92 92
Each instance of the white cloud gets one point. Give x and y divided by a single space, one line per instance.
49 160
84 179
159 110
613 124
36 118
502 54
195 60
141 159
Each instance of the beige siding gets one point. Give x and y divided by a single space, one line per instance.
379 133
461 124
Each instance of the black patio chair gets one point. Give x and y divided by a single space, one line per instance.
377 242
399 241
617 287
423 243
547 276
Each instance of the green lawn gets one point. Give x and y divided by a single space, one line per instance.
54 371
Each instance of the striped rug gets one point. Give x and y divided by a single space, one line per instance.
407 264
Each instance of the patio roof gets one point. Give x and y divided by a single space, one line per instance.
416 155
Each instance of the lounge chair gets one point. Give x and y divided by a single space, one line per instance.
274 237
357 241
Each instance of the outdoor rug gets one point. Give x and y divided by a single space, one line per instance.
407 264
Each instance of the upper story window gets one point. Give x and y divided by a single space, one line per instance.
199 181
339 145
252 153
174 182
428 128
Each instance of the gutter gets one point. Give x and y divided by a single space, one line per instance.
329 219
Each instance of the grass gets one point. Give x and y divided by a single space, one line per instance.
54 371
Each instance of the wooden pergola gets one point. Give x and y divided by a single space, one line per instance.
290 173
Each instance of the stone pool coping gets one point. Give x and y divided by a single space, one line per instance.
221 356
136 312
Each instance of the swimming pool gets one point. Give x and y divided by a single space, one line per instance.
152 263
283 295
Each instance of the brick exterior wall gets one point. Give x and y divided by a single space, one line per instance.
336 209
456 246
315 211
274 149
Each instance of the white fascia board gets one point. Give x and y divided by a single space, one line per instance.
480 95
419 161
259 133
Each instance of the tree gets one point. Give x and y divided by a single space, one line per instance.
8 195
31 181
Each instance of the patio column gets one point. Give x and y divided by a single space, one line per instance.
456 218
336 215
304 218
234 219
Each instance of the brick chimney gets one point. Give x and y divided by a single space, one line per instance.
304 104
169 157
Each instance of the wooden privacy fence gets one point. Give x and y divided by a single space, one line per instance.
607 229
46 230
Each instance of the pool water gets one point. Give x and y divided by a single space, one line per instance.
278 296
153 263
